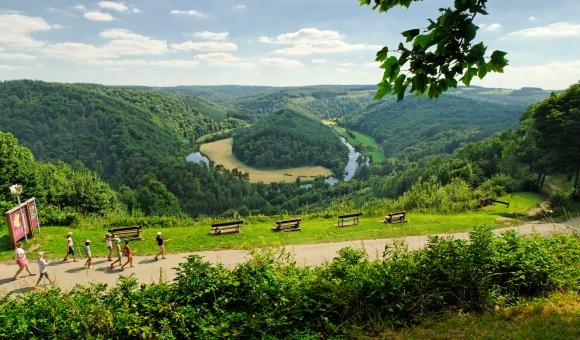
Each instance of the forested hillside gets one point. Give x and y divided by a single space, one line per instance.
289 139
136 140
418 127
319 101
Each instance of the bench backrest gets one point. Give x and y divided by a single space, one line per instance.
226 224
289 221
398 213
351 215
136 228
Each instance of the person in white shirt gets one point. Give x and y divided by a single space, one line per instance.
21 261
42 264
69 247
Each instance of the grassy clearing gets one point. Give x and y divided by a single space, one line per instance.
521 204
258 233
554 317
221 152
363 143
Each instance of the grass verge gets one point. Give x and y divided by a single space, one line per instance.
553 317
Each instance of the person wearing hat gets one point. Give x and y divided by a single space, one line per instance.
117 252
88 253
161 245
69 247
42 264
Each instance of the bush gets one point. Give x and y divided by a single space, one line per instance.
560 200
269 297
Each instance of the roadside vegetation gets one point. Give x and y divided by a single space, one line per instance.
269 296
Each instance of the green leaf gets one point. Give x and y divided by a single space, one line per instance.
410 34
384 88
469 74
382 54
498 61
389 66
422 40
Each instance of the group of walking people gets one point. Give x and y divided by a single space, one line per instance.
113 245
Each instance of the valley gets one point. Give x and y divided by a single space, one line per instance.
221 153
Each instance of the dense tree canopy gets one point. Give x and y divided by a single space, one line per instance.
289 139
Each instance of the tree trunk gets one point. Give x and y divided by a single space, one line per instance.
576 179
543 180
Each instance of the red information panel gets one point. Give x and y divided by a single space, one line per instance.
32 213
22 219
18 223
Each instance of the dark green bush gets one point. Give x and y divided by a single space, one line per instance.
270 297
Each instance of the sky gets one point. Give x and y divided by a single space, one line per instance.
265 42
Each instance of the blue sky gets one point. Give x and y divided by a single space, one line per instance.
259 42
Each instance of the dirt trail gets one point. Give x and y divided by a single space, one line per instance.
147 270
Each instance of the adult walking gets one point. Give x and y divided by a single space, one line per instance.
118 253
161 245
21 261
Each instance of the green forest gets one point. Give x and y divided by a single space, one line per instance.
288 139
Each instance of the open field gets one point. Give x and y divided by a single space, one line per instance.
363 143
52 240
256 231
221 152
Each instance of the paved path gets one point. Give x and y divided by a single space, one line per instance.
68 274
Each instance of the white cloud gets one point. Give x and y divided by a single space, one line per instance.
80 8
98 16
312 40
556 30
206 46
240 7
217 58
177 63
16 56
112 5
347 64
318 61
491 27
190 12
17 29
281 62
211 35
532 18
554 75
122 43
78 52
10 67
125 42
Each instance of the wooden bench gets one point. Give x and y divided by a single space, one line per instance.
128 233
484 202
346 220
288 225
225 227
396 217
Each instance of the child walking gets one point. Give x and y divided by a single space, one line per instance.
42 264
109 242
118 253
89 254
21 261
127 251
161 245
69 247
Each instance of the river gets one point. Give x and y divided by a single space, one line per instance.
349 170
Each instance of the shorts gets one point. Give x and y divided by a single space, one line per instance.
89 254
21 262
45 274
71 251
110 247
161 247
119 255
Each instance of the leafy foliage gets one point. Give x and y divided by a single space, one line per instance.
289 139
438 57
268 296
